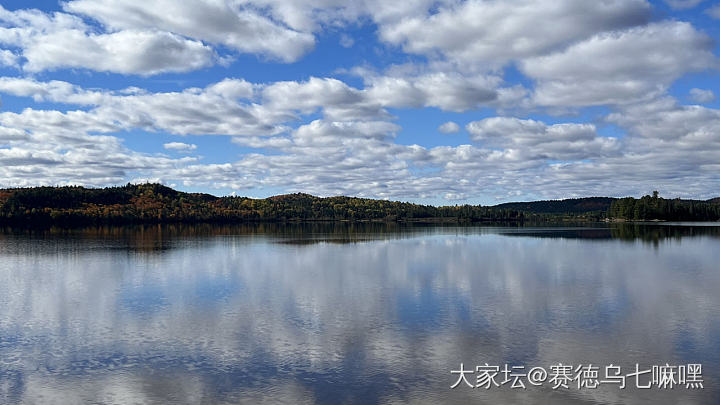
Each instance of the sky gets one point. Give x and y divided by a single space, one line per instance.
437 102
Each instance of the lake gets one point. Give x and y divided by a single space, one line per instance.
343 313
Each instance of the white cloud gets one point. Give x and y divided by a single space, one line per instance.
360 158
52 91
230 88
56 122
273 142
702 96
351 150
537 140
316 15
678 126
675 148
449 91
230 23
449 128
310 95
490 33
54 148
621 66
12 134
128 52
49 42
321 157
221 108
8 58
180 147
396 89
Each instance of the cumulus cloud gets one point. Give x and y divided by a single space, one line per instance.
345 153
61 40
324 136
337 100
620 66
11 134
321 157
312 94
667 121
8 58
318 156
141 52
54 148
449 128
313 16
230 23
535 139
702 96
360 158
180 147
673 147
446 90
54 90
222 108
491 33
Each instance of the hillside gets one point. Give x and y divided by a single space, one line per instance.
572 205
155 203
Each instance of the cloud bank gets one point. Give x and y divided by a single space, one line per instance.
558 99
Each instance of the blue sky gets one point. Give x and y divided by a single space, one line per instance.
441 102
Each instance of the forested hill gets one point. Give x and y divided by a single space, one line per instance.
571 205
155 203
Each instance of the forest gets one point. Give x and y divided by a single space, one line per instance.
654 207
72 206
156 203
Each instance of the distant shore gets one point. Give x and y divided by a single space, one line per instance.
155 203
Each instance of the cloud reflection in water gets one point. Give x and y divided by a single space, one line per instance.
228 316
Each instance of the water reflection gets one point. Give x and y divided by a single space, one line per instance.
160 237
256 313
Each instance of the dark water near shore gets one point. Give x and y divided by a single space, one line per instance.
342 313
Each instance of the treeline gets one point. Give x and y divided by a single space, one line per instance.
587 205
155 203
657 208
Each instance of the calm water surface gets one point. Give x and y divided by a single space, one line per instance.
350 314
